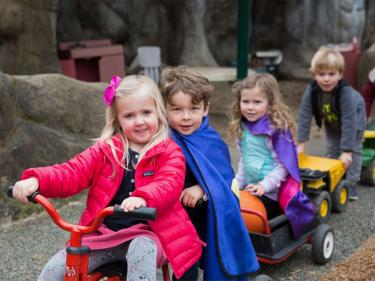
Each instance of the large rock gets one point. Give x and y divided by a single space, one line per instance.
311 24
130 23
195 50
28 29
46 119
176 26
204 32
220 25
194 32
369 28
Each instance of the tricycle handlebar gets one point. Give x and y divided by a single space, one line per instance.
143 213
30 198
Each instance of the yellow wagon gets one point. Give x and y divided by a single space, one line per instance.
322 181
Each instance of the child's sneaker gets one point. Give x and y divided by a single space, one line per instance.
353 195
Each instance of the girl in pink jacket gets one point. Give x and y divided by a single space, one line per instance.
133 164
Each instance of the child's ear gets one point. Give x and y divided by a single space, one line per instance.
205 113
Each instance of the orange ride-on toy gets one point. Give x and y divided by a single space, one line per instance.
273 240
323 181
78 255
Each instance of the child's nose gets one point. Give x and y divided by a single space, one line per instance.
186 115
139 120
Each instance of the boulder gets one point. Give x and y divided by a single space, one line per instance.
28 29
46 119
369 29
195 32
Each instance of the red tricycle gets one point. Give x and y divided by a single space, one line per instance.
77 254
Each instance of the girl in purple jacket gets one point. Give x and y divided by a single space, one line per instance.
268 166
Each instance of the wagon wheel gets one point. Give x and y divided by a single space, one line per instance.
368 174
323 205
340 197
323 243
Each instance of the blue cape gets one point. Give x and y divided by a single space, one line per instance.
229 253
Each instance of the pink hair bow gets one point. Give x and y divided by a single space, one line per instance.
110 91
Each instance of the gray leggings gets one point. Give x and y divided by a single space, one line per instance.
140 255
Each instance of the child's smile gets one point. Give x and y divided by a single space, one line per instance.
253 104
184 116
138 119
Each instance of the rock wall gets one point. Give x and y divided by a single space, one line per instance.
28 37
194 32
369 28
46 119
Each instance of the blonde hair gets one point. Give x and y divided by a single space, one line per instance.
129 86
327 59
174 80
278 112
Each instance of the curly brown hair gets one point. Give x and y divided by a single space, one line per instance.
183 79
278 112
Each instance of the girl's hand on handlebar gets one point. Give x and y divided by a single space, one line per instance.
25 188
191 195
131 203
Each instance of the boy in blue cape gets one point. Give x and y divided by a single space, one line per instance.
229 253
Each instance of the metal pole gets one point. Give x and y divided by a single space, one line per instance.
243 37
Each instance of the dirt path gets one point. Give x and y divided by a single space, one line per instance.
359 266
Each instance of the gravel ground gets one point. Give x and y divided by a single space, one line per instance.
26 245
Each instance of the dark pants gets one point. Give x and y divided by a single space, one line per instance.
190 275
198 217
272 207
333 150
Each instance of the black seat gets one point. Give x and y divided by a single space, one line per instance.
113 269
311 174
276 222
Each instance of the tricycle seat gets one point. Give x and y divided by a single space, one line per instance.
113 269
